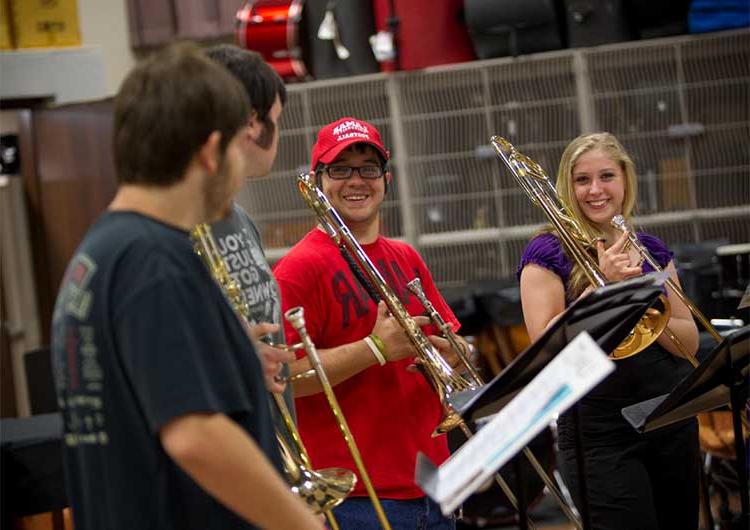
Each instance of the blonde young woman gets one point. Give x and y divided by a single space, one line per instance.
633 481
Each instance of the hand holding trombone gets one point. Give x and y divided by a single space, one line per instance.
444 379
323 489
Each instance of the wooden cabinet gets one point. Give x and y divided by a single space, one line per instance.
68 171
151 22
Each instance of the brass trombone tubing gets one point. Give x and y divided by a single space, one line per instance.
207 249
620 224
285 379
295 316
292 428
536 184
525 166
443 377
296 377
681 347
286 415
415 286
618 221
286 347
337 229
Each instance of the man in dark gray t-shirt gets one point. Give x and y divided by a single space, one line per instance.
239 243
236 235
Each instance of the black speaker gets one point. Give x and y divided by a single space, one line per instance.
512 27
594 22
659 18
700 274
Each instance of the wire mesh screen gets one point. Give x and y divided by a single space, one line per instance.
733 229
679 105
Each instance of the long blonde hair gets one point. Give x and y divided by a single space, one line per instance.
565 190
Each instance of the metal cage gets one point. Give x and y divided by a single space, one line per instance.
680 106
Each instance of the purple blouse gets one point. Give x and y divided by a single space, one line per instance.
644 376
547 251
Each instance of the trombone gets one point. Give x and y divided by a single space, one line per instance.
536 184
444 379
415 286
295 316
618 221
321 490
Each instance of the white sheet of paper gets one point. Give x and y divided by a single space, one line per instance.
573 372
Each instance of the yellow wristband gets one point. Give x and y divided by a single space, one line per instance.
376 347
379 343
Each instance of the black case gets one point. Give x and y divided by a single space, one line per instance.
594 22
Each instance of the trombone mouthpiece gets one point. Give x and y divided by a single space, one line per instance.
296 317
618 221
415 286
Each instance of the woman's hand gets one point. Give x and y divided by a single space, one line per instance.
614 262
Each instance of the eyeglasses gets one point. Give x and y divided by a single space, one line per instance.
344 172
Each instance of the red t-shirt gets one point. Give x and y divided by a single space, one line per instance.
391 412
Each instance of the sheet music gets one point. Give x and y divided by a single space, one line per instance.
572 373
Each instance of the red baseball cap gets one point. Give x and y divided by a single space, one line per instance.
337 136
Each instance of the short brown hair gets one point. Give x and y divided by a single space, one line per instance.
262 84
166 109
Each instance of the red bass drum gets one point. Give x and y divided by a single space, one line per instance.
429 33
273 28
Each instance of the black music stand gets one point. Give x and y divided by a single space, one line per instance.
608 314
720 380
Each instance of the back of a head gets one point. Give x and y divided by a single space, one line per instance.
166 109
262 83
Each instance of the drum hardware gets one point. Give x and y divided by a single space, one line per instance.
273 28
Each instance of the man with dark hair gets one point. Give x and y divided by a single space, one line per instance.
262 84
237 237
392 411
166 423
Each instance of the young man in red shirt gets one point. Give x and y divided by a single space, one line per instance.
391 410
